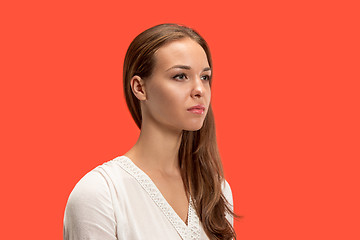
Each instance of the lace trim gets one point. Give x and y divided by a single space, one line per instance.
187 232
193 222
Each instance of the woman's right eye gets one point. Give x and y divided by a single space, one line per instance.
181 76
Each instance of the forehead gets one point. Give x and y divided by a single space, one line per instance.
181 52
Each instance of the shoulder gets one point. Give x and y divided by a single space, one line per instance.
226 189
229 198
97 186
89 211
91 190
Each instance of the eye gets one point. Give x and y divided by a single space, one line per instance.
180 76
205 77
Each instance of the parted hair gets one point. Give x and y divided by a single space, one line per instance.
199 159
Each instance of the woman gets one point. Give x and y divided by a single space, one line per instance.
170 184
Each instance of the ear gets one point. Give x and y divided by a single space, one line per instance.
138 87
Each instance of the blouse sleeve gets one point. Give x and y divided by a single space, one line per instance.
228 195
89 213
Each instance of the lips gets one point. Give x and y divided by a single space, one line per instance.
197 107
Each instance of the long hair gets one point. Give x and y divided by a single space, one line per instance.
199 159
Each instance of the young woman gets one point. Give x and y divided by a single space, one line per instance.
170 184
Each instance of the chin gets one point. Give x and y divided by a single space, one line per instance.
193 127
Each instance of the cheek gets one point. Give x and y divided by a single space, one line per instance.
208 95
169 99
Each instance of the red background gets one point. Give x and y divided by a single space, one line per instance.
285 98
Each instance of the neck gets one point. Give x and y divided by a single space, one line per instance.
157 149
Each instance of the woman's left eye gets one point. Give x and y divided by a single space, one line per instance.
205 77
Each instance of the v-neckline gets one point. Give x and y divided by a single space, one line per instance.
191 230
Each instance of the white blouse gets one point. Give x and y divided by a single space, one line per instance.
117 200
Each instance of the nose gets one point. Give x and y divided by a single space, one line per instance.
198 88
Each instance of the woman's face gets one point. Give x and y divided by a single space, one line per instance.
179 82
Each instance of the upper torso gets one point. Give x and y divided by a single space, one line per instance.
117 200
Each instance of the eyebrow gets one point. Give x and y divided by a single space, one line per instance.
187 67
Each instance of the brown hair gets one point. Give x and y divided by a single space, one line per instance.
199 158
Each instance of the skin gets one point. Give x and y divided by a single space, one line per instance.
164 98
